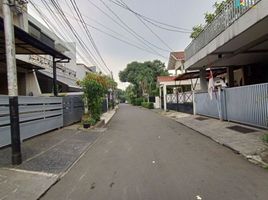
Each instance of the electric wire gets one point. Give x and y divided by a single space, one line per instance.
112 36
63 16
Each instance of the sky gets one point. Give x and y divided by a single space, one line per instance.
115 53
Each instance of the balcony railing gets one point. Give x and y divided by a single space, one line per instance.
230 13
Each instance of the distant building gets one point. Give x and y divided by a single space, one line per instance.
82 70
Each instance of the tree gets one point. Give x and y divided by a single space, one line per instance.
95 86
121 95
130 93
143 76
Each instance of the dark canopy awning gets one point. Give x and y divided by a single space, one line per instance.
195 74
27 44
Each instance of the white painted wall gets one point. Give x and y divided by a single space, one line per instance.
81 71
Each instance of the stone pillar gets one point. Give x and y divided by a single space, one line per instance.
230 76
203 80
165 97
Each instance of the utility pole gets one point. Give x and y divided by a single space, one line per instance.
55 86
12 82
112 91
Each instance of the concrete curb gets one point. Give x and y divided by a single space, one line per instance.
109 120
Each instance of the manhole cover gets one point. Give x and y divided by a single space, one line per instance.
241 129
201 118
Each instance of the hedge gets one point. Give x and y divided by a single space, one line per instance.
148 105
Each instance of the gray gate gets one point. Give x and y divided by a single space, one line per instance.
36 115
73 109
248 104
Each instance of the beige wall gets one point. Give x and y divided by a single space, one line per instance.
32 85
239 77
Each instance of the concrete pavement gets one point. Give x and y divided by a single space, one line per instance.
250 144
147 156
46 158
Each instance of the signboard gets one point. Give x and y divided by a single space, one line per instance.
40 61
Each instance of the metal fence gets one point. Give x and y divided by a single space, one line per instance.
182 102
73 109
210 107
185 97
246 104
36 115
231 12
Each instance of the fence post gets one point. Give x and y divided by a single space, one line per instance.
194 103
220 104
10 52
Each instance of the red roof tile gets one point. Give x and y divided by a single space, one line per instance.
165 78
173 57
178 55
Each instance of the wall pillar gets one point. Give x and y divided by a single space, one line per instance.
165 97
230 76
203 80
55 85
160 95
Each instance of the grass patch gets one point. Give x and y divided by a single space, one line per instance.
266 167
265 138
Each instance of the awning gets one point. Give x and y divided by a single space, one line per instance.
195 74
26 65
69 82
27 44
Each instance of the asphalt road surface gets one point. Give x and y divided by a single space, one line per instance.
145 156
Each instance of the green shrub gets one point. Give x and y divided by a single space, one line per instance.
143 104
151 105
148 105
137 101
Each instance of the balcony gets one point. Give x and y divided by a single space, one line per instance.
232 22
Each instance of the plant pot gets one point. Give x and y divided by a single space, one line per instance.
86 125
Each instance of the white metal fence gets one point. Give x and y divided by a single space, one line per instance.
246 104
230 12
185 97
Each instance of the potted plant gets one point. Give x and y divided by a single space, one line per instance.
87 122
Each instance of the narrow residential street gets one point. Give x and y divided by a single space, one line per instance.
143 155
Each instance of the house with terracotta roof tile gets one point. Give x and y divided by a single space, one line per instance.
176 62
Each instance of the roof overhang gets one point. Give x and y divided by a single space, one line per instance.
195 74
27 44
173 59
68 82
245 42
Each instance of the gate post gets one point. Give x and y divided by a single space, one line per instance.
194 103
